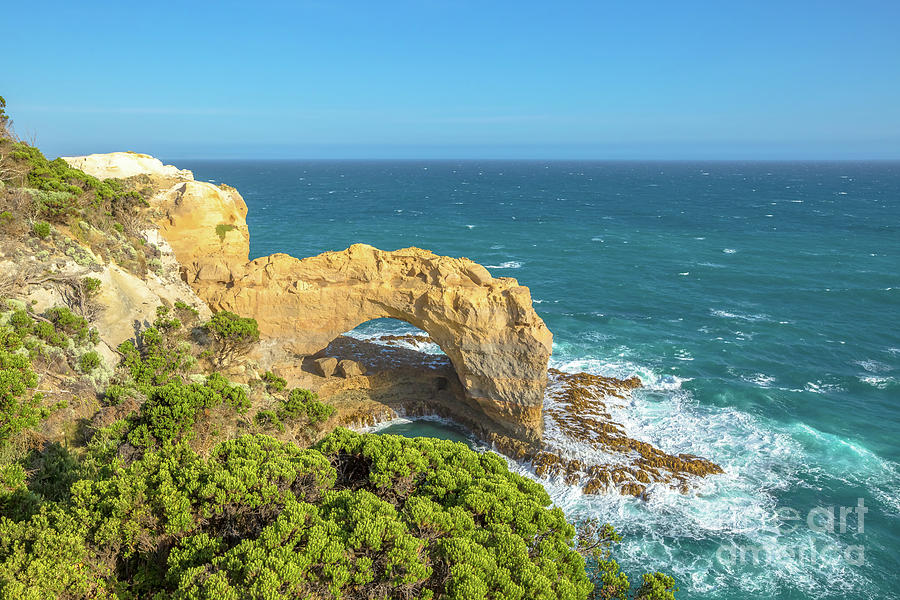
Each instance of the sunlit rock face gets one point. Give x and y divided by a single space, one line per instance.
125 164
487 326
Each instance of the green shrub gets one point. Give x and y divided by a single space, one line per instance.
300 402
318 412
231 335
187 313
76 326
116 393
10 339
274 383
360 516
21 321
222 229
91 286
171 410
269 419
292 407
156 360
49 334
18 408
595 542
56 205
164 322
89 361
41 229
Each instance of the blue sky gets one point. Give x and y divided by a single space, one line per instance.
457 79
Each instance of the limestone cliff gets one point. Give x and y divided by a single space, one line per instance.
124 164
487 326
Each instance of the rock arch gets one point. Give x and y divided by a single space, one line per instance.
486 326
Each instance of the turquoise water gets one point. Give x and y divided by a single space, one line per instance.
758 302
430 429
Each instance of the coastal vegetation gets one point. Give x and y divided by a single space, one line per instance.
173 467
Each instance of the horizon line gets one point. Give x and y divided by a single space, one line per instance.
528 159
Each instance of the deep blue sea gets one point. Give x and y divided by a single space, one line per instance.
758 302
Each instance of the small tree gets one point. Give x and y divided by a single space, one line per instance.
5 122
595 542
232 336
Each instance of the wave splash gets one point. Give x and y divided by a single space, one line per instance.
693 535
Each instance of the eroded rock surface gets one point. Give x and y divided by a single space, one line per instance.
125 164
487 326
588 447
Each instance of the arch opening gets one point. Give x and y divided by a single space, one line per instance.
407 375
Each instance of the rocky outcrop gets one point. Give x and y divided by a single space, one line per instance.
206 225
487 326
125 164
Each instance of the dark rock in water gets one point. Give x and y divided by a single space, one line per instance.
326 366
350 368
580 412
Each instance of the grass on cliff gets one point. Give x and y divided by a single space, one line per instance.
72 211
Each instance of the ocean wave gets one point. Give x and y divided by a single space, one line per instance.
725 314
759 379
510 264
729 251
873 366
372 331
820 387
737 509
882 383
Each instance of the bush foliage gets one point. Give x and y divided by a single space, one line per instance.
232 335
359 516
19 408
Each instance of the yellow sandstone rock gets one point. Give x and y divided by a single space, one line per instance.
125 164
487 326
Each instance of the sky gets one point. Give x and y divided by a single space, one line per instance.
457 79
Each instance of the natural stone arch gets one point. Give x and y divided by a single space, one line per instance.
486 326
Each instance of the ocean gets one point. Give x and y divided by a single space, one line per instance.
758 302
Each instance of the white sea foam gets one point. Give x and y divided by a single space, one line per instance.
820 387
737 508
729 251
510 264
724 314
873 366
371 332
879 382
759 379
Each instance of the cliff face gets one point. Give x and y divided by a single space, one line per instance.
124 164
487 326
